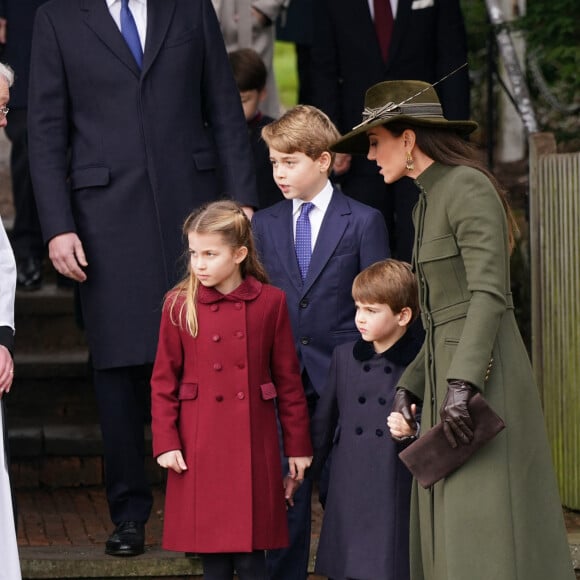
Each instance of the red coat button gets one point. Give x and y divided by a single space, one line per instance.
241 365
214 307
216 337
219 398
238 305
239 334
217 367
241 395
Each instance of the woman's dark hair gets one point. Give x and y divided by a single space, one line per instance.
449 148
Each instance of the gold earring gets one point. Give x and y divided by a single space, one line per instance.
410 165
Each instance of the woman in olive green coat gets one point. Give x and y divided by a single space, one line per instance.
499 516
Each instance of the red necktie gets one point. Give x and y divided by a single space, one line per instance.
383 25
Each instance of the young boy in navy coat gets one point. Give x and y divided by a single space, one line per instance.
365 531
312 244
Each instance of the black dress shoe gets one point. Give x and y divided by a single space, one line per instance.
128 539
29 274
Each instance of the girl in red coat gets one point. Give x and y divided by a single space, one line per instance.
225 362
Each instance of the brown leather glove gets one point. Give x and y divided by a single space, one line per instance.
402 404
457 423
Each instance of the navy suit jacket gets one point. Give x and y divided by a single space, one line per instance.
121 155
352 236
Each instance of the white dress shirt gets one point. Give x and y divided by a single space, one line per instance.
321 201
138 9
394 6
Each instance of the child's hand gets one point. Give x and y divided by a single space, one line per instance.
172 460
400 429
291 485
297 466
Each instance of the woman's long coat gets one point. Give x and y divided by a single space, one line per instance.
214 398
499 516
365 531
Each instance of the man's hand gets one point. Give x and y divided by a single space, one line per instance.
172 460
6 370
68 256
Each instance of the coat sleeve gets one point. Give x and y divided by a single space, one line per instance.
48 130
7 291
375 241
478 220
413 379
292 407
165 379
223 106
325 419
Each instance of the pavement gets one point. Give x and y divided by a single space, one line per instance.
62 534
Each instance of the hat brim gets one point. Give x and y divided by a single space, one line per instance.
357 141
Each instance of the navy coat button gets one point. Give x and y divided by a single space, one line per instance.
358 430
216 337
388 370
219 398
379 432
305 340
217 367
366 368
303 303
362 400
241 395
382 401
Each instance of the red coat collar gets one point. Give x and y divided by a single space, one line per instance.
249 289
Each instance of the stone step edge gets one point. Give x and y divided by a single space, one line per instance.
46 364
90 562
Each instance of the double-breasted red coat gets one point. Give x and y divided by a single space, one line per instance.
214 397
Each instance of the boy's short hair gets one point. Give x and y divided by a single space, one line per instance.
388 282
304 129
249 70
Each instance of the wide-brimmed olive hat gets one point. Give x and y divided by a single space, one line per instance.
412 102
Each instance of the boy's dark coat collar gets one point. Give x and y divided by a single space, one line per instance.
401 353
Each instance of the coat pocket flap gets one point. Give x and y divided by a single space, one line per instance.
187 391
268 391
205 160
438 249
90 177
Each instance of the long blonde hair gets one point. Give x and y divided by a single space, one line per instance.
229 220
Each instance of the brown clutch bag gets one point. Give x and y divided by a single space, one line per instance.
431 458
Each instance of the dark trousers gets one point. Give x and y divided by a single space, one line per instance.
26 237
249 566
292 563
123 398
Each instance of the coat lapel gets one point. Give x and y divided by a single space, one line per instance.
99 20
283 238
335 221
159 16
399 29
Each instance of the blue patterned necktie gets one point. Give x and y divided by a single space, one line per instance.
304 239
130 33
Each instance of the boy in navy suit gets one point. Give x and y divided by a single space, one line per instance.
312 244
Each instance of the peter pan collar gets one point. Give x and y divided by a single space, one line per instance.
401 353
249 289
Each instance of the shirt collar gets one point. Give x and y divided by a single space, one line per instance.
320 200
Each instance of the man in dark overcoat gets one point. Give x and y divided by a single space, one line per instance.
426 41
134 120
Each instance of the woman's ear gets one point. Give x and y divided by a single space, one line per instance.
409 139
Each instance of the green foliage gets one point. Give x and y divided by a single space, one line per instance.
552 28
286 75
